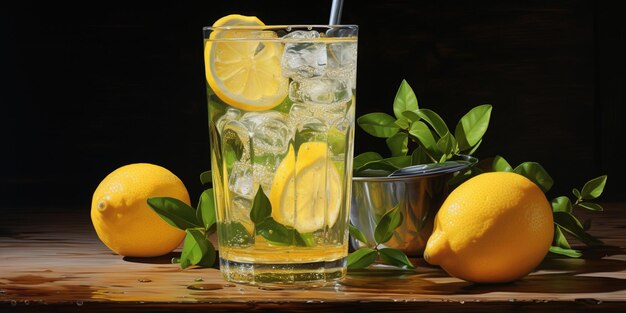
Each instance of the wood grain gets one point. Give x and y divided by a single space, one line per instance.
51 261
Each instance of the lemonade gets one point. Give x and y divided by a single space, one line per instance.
281 117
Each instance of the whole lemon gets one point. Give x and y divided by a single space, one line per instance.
122 218
495 227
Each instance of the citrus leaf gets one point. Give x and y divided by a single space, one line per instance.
357 234
472 126
499 164
423 134
206 177
206 248
261 207
593 188
282 235
395 257
387 224
206 209
434 120
361 258
446 146
234 233
405 100
475 147
411 116
191 253
398 144
561 204
559 238
566 252
535 172
174 212
576 193
403 122
365 158
570 224
419 156
591 206
380 125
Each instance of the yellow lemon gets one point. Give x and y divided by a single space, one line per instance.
495 227
122 218
306 190
245 73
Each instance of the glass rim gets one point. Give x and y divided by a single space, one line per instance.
287 27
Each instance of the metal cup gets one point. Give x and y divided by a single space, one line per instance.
417 196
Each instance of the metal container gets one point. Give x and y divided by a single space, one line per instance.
418 197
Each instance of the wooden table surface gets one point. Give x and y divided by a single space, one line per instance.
52 260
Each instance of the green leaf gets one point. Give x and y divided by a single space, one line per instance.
591 206
357 234
499 164
472 126
282 235
561 204
559 238
577 194
475 147
594 188
398 161
174 212
387 224
361 258
398 144
206 209
305 239
206 177
566 252
261 207
411 116
205 246
446 146
191 254
197 250
535 172
365 158
405 100
379 125
570 224
423 134
403 123
419 156
434 120
396 258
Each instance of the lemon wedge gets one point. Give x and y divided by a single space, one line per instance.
243 66
306 191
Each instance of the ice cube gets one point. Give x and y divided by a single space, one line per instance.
231 114
342 60
269 131
303 58
241 180
320 91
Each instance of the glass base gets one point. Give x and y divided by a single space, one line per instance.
315 274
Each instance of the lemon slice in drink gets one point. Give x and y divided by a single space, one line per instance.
243 66
306 192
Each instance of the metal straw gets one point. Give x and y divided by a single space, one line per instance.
335 12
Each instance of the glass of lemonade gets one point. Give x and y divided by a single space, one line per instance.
281 117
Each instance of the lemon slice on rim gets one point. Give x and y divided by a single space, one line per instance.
306 192
245 73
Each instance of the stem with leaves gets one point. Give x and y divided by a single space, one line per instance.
197 223
562 207
365 256
423 130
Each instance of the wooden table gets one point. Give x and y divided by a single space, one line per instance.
52 260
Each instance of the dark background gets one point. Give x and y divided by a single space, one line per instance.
88 87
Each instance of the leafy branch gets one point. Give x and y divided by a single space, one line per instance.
418 135
365 256
197 223
562 206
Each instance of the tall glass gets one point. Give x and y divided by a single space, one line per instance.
281 116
